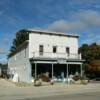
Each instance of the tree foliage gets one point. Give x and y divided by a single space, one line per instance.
21 36
91 53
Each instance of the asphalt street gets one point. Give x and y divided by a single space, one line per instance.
79 96
8 91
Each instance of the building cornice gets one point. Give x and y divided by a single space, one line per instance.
52 33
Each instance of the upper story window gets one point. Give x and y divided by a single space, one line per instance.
54 49
41 49
67 50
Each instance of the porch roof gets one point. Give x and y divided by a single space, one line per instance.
55 60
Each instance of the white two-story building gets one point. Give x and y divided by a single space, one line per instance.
45 51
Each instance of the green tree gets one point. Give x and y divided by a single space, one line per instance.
21 36
84 50
90 52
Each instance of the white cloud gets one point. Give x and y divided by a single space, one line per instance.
62 25
89 18
81 21
3 51
86 24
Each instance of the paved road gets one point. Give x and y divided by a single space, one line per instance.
79 96
75 96
9 91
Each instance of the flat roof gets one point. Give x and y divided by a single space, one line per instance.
52 33
55 59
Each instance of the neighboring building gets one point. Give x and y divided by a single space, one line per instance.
3 70
44 52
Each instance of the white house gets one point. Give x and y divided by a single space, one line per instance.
46 51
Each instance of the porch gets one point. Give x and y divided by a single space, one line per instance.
56 68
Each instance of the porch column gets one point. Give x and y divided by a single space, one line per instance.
52 70
81 68
67 71
35 70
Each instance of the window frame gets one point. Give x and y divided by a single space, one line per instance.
41 50
54 49
67 50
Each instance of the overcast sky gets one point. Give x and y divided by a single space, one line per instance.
80 17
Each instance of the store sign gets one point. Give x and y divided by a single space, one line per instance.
61 61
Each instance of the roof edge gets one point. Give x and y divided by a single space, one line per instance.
52 33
